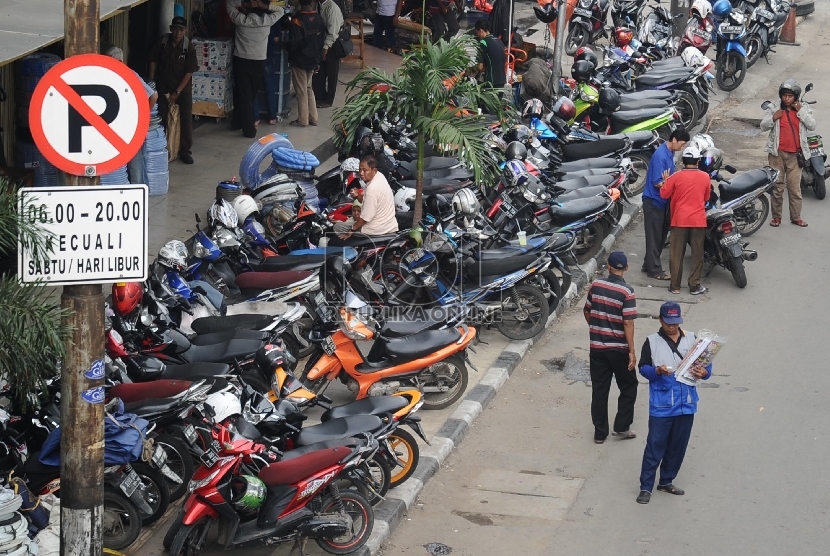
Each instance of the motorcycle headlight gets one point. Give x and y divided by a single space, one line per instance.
200 251
737 17
586 4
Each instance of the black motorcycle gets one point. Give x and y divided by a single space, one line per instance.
724 245
587 24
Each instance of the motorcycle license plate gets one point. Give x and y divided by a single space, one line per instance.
190 434
765 14
817 151
328 346
211 455
507 206
129 483
705 35
159 457
731 29
320 299
583 11
730 240
662 29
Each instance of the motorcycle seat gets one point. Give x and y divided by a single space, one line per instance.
297 452
195 371
648 95
585 173
206 325
338 428
284 263
225 351
348 252
581 193
294 470
499 267
657 79
673 62
151 406
431 163
576 210
437 184
272 280
373 405
743 183
409 324
512 250
226 335
361 241
588 164
631 117
418 345
576 151
136 391
639 139
586 181
628 105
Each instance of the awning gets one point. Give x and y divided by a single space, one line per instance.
29 25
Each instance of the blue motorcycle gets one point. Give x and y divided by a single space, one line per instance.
731 55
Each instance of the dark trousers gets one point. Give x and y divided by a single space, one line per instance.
666 445
384 33
185 103
677 251
324 81
440 22
247 78
656 224
271 81
606 364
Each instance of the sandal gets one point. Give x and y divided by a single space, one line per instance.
625 435
671 489
800 223
662 276
775 222
296 123
674 290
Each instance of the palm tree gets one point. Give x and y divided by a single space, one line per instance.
31 334
429 92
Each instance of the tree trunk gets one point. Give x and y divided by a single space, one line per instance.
417 212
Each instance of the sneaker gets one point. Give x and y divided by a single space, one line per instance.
698 290
644 497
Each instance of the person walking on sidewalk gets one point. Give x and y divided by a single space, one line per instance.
655 208
325 80
610 310
305 52
172 63
788 128
688 191
671 404
253 20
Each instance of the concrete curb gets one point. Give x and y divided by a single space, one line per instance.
390 512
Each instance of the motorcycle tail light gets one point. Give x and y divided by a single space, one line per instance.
726 227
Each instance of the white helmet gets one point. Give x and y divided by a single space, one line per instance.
173 254
464 202
702 8
692 57
533 106
702 142
404 199
350 165
244 205
224 405
221 212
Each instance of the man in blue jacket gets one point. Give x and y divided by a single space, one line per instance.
672 404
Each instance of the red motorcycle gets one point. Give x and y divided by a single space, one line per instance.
258 495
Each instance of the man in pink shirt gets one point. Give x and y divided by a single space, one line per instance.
378 215
688 190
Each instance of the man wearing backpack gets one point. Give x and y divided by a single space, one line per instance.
306 35
172 63
325 80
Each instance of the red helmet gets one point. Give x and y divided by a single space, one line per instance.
623 36
126 296
564 108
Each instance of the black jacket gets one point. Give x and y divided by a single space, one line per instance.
306 35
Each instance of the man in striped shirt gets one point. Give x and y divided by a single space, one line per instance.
610 310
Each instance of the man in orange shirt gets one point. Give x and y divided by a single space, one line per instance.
687 191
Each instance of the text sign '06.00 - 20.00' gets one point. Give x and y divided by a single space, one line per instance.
98 234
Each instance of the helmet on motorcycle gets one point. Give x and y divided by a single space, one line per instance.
790 86
515 151
546 13
404 198
710 160
565 108
245 206
222 213
609 100
692 57
247 493
623 36
173 254
126 296
371 143
520 133
268 358
224 405
701 142
586 54
533 107
701 9
438 206
582 71
351 164
722 8
464 203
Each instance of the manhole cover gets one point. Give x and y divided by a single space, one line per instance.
438 549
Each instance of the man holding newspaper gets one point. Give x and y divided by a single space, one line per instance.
672 360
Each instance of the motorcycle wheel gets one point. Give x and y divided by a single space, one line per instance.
752 217
155 488
121 520
640 163
736 267
190 539
530 320
577 38
406 453
589 242
363 520
450 373
380 472
754 48
820 187
174 528
731 71
179 462
687 109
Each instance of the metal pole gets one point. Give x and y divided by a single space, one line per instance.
509 39
82 423
679 25
559 43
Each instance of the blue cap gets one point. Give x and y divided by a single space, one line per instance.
617 260
670 313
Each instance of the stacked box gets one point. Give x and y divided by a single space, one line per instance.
213 54
212 93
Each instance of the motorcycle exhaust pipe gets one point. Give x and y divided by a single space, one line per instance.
749 255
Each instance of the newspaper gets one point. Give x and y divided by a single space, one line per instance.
703 352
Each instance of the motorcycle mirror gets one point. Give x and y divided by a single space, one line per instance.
198 220
766 105
808 88
730 169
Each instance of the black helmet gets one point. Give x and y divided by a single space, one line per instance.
546 13
609 100
710 160
520 133
582 71
268 358
587 55
516 151
790 86
438 206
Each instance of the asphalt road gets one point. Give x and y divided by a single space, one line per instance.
529 480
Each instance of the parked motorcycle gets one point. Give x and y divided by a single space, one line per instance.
587 24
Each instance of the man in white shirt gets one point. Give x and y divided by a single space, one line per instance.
378 215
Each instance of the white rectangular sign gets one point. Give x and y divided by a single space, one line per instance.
98 234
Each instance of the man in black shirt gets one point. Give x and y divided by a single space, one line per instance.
492 55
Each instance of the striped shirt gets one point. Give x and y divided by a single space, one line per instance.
610 302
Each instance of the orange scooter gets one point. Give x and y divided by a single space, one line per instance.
432 361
